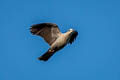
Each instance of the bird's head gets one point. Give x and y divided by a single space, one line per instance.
70 30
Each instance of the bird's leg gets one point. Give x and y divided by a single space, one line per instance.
51 50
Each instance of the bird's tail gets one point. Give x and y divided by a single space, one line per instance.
46 56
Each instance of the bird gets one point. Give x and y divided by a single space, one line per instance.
57 40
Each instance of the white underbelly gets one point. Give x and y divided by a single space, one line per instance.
60 42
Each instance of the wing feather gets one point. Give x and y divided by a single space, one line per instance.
49 31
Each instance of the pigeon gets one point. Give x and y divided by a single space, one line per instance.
57 40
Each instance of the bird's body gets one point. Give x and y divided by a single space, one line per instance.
61 41
54 37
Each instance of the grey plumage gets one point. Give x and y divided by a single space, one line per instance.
48 31
52 35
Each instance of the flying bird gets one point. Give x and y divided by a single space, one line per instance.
50 32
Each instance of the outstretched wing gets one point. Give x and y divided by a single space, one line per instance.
73 36
49 31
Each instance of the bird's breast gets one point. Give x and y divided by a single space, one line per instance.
60 42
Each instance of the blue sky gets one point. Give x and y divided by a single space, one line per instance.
95 55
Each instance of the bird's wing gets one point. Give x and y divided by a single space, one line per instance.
73 36
49 31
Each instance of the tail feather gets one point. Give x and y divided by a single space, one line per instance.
46 56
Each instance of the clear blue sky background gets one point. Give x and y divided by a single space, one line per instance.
95 55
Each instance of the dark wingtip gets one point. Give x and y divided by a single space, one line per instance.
36 27
33 30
